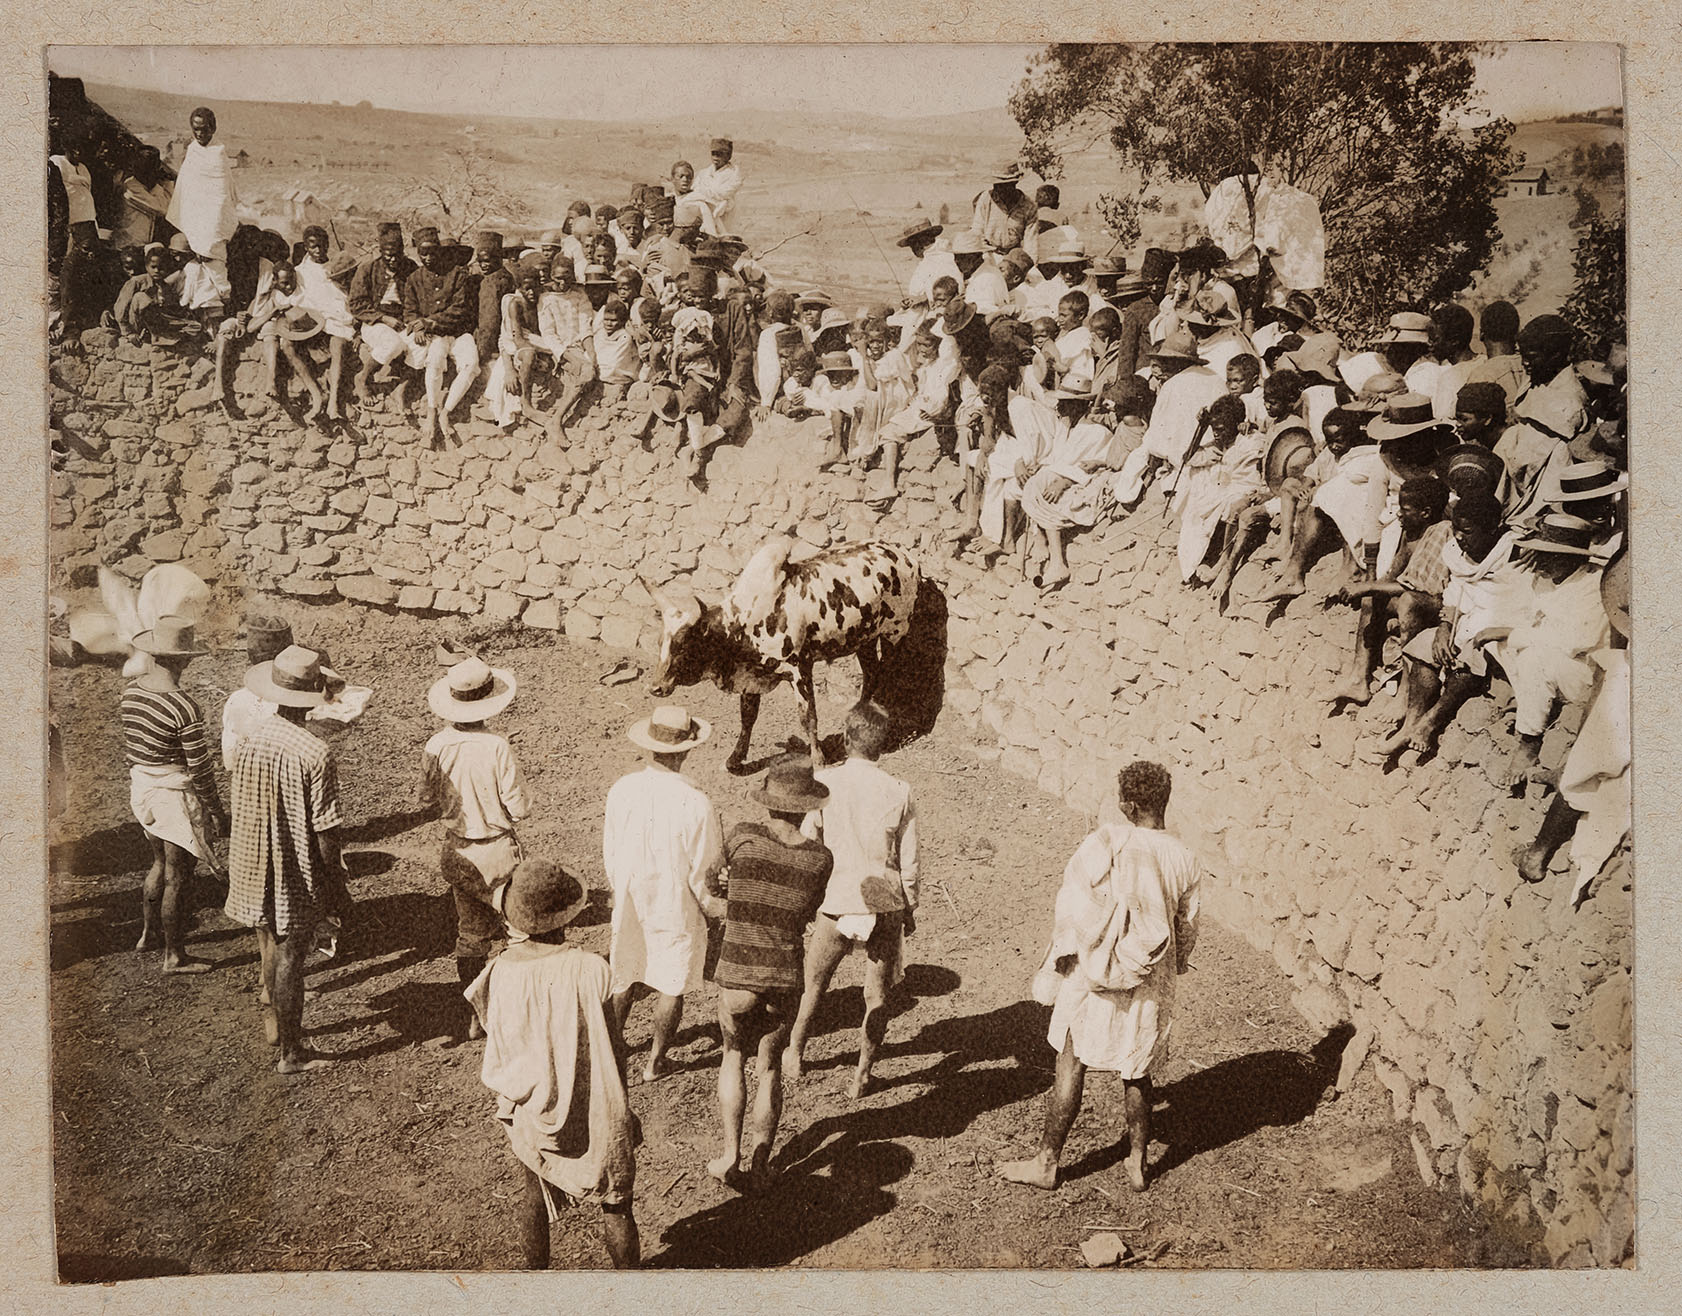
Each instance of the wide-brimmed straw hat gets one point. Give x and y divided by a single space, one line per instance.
1316 356
669 729
834 363
172 637
299 324
543 897
813 297
294 679
1404 414
1009 172
1468 464
789 787
342 266
920 228
1288 453
1406 327
966 244
1215 306
1581 481
957 317
598 276
471 691
834 317
1560 532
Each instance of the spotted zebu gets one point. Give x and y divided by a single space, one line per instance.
781 617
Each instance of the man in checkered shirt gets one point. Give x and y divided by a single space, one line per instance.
284 869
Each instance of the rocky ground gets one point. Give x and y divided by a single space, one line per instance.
178 1149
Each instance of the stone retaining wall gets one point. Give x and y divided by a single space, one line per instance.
1498 1019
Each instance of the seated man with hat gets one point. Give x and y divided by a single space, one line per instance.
172 785
1546 630
285 874
628 229
777 878
979 279
376 300
470 780
1401 344
933 259
555 1057
1003 213
1187 387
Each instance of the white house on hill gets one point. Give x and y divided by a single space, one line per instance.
1529 181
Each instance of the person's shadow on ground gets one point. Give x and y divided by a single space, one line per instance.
1212 1107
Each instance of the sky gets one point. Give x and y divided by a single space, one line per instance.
1523 80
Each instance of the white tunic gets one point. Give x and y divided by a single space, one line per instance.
661 842
202 205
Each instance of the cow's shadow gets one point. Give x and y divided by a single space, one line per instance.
911 680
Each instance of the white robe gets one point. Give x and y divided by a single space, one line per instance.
661 843
202 205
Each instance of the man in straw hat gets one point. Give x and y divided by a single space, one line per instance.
172 784
470 780
1546 631
285 874
777 879
933 262
1187 387
663 851
869 823
1124 928
1003 212
555 1057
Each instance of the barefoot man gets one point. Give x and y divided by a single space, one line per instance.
869 824
663 850
777 879
172 786
1125 925
284 870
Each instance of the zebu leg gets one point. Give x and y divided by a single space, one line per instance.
871 657
750 715
809 710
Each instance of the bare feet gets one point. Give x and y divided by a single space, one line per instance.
1395 744
1522 763
1037 1172
858 1088
727 1172
1289 590
271 1027
448 428
656 1068
475 1030
1055 580
185 963
793 1066
150 939
317 402
302 1062
1135 1167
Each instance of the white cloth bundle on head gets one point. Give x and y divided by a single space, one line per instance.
1288 229
167 590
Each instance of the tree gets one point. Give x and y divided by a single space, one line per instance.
1372 130
463 195
1596 307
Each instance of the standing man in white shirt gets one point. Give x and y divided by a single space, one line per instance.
663 851
869 824
716 187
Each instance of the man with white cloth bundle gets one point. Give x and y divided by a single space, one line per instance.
1125 924
663 850
202 208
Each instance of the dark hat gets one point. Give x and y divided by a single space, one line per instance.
917 229
957 318
425 235
1157 266
1298 305
542 897
710 251
1104 266
722 144
1560 532
390 228
265 637
487 240
790 337
1017 259
660 207
1178 346
1288 453
1205 256
1470 465
790 787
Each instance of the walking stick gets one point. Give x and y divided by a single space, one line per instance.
858 211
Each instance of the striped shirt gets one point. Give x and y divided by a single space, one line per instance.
774 891
164 728
285 792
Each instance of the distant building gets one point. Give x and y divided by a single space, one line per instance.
1531 181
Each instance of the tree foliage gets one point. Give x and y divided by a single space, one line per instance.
462 197
1372 130
1596 307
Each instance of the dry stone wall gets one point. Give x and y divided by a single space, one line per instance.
1498 1019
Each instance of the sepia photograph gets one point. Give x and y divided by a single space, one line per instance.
838 657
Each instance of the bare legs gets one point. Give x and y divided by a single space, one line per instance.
160 907
761 1020
619 1229
668 1014
283 982
1430 709
824 953
1062 1104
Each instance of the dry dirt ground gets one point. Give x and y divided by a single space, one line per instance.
179 1149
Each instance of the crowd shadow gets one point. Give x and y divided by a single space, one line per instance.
1212 1107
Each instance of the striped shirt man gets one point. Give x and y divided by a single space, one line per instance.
164 729
285 793
774 890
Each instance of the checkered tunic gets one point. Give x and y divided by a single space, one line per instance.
285 792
